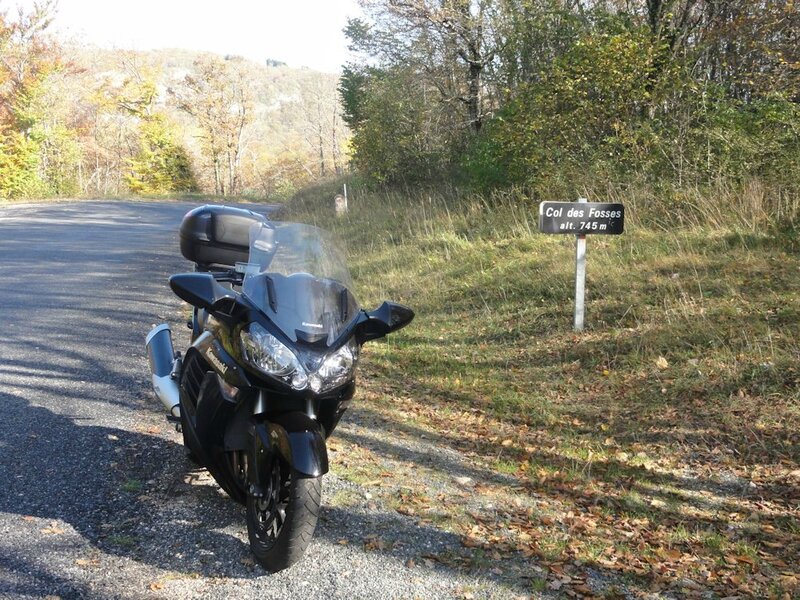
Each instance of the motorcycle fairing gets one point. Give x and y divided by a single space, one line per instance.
294 436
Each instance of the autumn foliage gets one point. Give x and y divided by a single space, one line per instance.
78 121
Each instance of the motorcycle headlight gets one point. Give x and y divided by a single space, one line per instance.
268 354
335 369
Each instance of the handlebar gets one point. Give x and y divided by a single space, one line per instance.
224 275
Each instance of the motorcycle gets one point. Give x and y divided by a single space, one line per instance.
276 338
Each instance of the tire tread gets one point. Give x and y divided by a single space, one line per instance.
302 514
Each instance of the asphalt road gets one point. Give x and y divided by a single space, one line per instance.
97 499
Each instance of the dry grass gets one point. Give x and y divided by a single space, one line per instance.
663 443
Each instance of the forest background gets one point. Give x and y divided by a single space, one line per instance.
664 101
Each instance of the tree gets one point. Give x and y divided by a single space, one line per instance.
161 166
450 42
403 138
323 126
27 57
219 97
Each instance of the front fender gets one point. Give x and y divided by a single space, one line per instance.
298 439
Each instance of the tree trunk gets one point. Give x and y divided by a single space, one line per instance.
321 153
474 98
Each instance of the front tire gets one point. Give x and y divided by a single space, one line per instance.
281 521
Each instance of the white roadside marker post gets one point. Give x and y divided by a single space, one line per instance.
580 277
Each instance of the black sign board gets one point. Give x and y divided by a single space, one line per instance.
581 217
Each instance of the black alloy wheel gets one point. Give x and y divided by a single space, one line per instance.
281 519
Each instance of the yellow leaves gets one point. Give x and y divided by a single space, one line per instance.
662 363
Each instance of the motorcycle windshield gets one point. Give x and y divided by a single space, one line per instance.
297 276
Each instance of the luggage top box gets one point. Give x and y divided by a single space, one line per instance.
215 236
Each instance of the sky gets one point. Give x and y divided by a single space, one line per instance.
301 33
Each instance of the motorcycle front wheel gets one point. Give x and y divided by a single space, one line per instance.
282 518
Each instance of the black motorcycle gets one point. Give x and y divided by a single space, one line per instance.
276 334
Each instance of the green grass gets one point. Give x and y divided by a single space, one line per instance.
122 541
494 309
682 392
131 485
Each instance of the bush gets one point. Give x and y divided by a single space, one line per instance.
162 165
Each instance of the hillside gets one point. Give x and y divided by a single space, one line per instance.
85 121
289 106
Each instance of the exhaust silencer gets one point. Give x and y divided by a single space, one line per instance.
164 368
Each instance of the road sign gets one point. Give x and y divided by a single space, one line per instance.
581 218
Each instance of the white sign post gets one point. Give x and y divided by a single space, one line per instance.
581 218
580 278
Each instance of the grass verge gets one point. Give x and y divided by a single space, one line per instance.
662 443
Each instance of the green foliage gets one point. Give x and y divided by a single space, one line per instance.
594 106
656 94
60 155
352 92
415 150
615 108
162 165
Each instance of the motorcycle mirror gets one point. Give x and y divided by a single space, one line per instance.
385 319
199 289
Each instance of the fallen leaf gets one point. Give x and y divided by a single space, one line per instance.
470 542
87 562
52 530
662 363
